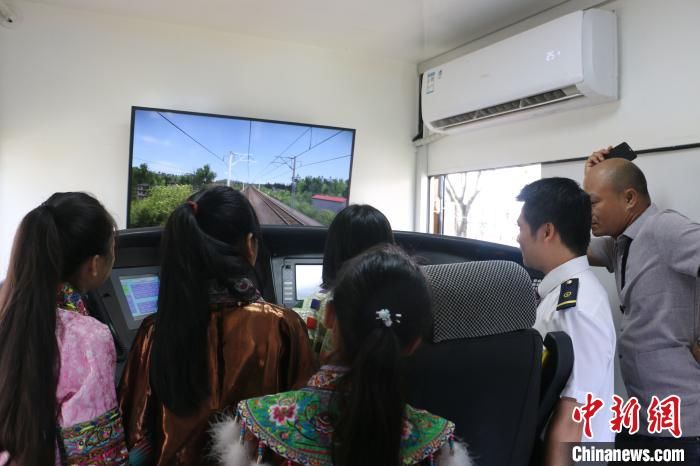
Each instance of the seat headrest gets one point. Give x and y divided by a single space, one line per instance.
475 299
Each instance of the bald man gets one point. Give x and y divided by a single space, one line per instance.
655 255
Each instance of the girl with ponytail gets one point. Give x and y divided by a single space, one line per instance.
353 412
214 341
57 398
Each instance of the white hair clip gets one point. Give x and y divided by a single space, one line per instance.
385 316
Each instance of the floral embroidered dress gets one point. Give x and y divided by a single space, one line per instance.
294 428
89 424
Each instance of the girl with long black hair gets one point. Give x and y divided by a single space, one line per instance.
354 412
214 341
354 229
57 397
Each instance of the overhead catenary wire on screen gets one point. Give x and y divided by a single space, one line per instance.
290 161
324 161
262 172
319 143
189 136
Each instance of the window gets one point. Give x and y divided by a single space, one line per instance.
479 204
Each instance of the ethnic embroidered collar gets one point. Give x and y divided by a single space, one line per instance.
327 377
69 299
298 426
236 293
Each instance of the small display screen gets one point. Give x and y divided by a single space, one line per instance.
141 292
307 278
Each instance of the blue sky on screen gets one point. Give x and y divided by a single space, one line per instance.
163 147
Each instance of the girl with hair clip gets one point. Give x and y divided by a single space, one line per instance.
355 229
354 412
58 404
213 341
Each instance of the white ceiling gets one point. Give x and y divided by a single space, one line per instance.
411 30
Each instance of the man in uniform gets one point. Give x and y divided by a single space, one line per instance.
655 255
555 225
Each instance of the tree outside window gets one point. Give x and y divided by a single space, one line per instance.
479 204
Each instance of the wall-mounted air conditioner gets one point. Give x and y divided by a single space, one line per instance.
568 62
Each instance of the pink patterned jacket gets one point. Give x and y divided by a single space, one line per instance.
89 423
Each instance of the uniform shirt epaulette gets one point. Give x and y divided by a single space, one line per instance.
568 294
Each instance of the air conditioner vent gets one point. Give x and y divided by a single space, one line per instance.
526 103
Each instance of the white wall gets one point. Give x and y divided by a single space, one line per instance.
68 79
659 99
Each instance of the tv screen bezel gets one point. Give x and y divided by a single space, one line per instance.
134 109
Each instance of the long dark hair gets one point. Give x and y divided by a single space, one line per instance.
204 244
356 228
370 409
51 244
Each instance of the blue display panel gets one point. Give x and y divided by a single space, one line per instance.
141 292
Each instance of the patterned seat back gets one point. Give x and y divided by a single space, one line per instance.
483 369
476 299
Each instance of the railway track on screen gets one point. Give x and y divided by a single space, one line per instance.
272 211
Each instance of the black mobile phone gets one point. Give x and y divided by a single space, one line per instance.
623 151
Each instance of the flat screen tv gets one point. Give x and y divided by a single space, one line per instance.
293 173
